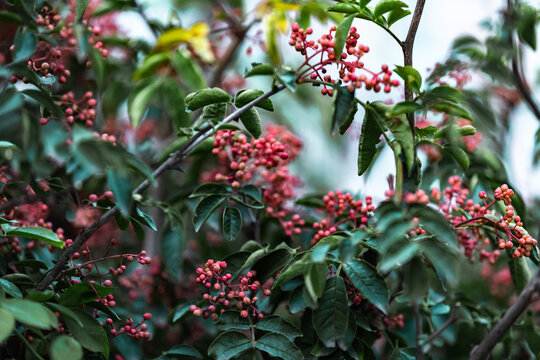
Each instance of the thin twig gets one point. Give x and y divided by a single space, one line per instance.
407 47
482 350
452 319
170 163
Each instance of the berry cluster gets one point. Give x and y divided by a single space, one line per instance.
468 219
394 321
262 162
341 210
82 110
137 331
224 294
348 62
50 58
247 156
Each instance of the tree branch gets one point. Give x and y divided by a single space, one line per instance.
522 85
170 163
482 350
452 319
239 32
408 44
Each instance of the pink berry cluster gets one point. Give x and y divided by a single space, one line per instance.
508 228
51 59
247 155
93 198
394 321
314 67
137 331
81 110
455 74
223 294
341 209
262 162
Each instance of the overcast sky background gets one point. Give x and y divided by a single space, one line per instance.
442 22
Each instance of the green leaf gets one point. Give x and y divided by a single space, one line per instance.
91 335
121 188
145 219
65 347
232 223
385 6
24 44
316 279
64 311
150 64
205 97
411 76
140 97
458 154
213 113
526 25
444 259
246 96
178 313
345 108
7 145
228 345
211 189
405 107
393 259
82 293
436 224
6 325
272 35
451 109
10 17
259 69
345 8
331 316
319 253
10 288
368 281
252 122
467 130
80 8
342 33
443 92
399 126
416 279
189 71
369 138
276 324
396 14
296 268
45 100
231 320
205 208
173 99
279 346
31 313
183 352
37 233
519 272
272 262
288 79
